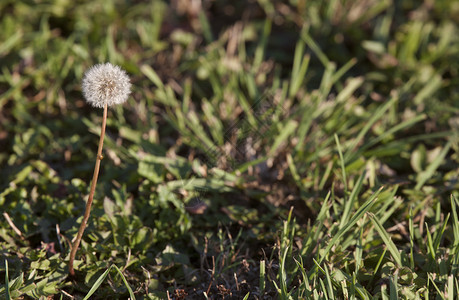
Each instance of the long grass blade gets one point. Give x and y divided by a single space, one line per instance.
387 240
7 281
101 279
358 214
429 172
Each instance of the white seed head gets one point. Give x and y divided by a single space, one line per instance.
106 84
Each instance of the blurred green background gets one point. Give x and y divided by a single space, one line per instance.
240 111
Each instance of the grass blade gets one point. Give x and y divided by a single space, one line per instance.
430 279
387 240
430 243
350 202
102 278
411 230
343 165
378 265
131 293
152 75
439 234
428 173
262 277
393 287
315 48
97 283
379 113
288 129
358 214
329 284
7 281
455 221
260 51
450 287
206 30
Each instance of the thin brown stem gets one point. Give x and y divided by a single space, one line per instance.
91 194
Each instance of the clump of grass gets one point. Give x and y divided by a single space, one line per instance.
103 85
312 104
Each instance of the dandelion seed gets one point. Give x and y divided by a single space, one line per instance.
106 84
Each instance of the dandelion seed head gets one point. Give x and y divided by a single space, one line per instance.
106 84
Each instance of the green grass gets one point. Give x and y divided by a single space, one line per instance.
294 150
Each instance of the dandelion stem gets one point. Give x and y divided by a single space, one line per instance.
91 194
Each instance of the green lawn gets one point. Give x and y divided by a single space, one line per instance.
269 150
